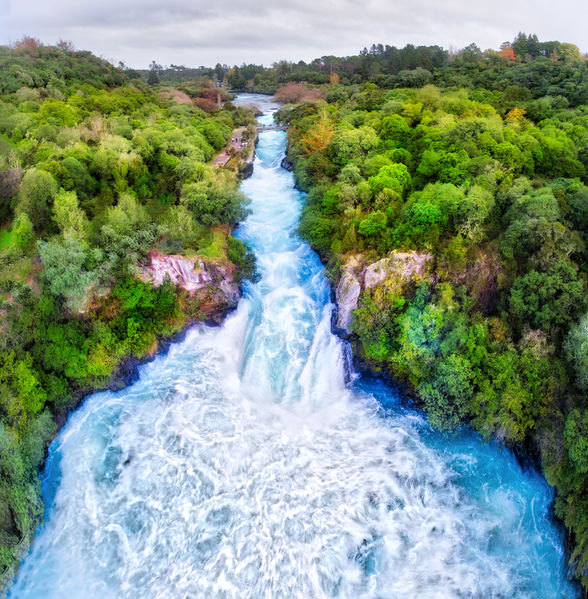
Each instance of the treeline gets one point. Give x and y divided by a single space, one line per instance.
53 69
541 68
484 193
175 74
95 172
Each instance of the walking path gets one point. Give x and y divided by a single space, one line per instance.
237 142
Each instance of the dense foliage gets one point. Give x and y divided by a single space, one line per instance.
525 69
53 69
487 190
95 172
474 163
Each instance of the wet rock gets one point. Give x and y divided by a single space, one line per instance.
347 293
287 164
246 170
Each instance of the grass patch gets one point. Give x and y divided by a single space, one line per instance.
213 245
19 270
6 238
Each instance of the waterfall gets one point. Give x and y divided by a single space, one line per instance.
247 464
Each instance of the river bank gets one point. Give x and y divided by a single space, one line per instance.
239 153
427 300
348 281
127 373
244 451
206 290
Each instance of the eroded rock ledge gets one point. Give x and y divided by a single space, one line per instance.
393 272
211 283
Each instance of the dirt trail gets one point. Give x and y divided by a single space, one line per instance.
237 142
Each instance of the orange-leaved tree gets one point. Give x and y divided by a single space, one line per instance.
507 52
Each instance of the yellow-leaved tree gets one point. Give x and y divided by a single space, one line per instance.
319 137
516 114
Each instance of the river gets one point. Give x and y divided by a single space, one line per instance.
242 464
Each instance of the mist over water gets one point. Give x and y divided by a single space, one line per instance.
240 465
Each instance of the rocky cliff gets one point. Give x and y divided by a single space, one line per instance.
391 274
210 283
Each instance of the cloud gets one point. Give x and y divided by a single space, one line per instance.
194 32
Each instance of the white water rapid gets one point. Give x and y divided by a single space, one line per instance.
241 465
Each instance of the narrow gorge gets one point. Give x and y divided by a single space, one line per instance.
244 464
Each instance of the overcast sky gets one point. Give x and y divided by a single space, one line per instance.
194 32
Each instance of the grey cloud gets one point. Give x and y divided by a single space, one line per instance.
195 32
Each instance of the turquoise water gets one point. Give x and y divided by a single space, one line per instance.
242 465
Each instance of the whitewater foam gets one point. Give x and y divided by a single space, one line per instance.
241 465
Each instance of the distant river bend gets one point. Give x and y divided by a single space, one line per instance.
242 466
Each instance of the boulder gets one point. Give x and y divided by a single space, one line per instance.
245 169
286 164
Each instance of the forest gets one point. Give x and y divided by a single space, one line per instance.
479 171
96 170
542 68
473 163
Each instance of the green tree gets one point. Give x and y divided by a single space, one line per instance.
373 224
214 200
394 129
511 395
240 255
473 212
525 216
35 196
67 270
448 395
68 215
547 300
21 393
394 177
576 347
23 231
576 439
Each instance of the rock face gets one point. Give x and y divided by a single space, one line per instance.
246 170
287 164
392 272
347 294
211 283
481 280
398 268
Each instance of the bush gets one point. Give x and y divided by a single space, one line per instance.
244 259
23 230
35 196
576 439
67 270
